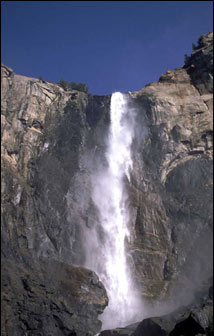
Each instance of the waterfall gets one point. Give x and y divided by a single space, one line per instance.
110 198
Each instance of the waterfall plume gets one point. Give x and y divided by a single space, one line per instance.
110 198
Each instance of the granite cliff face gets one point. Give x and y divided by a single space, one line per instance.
172 179
43 132
52 143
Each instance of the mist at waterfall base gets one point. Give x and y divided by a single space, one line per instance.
110 198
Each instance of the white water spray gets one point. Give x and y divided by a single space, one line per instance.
110 197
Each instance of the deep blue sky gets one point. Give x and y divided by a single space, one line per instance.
109 45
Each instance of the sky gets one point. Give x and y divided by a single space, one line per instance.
108 45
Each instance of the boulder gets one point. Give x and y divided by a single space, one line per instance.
49 298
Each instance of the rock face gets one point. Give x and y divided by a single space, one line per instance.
43 297
42 137
172 179
52 142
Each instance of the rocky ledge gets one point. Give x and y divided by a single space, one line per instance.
49 298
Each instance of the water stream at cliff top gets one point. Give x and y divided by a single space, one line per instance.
110 198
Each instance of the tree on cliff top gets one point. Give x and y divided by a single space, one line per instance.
73 86
78 86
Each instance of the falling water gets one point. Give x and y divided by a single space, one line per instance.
110 197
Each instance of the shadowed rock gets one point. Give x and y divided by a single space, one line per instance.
42 297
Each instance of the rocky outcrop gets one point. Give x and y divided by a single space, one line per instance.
43 297
52 143
200 64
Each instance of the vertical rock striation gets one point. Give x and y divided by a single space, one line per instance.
172 179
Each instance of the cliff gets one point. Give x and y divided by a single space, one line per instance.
43 131
52 143
172 179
